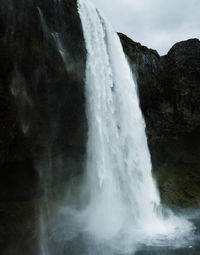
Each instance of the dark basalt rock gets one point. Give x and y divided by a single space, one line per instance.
42 104
41 89
42 67
169 89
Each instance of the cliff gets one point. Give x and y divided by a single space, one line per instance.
41 89
169 89
42 68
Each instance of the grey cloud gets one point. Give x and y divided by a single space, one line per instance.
157 24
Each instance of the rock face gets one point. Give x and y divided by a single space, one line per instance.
41 89
169 89
42 66
42 104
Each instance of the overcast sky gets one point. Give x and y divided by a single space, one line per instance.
157 24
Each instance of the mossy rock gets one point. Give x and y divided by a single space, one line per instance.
177 170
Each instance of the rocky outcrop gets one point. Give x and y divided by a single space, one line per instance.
41 89
169 89
42 66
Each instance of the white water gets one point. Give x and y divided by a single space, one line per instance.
123 199
118 164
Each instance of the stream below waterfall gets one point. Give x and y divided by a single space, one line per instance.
88 246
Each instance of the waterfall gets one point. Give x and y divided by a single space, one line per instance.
122 195
118 159
113 206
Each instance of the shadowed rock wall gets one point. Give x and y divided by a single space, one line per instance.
43 127
41 85
169 89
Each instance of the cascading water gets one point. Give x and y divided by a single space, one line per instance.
123 199
116 207
118 165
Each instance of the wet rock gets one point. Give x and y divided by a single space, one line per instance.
42 104
169 89
42 67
